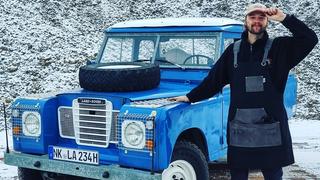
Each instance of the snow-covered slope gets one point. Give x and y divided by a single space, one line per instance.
43 42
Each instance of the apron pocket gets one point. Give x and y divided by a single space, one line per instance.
251 116
255 135
254 83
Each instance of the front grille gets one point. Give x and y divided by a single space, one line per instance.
92 122
66 122
113 134
89 123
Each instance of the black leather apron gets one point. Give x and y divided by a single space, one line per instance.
258 133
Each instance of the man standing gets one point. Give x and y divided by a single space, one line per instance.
257 67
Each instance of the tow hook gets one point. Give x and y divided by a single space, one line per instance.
106 174
37 164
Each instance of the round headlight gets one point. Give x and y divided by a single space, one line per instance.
31 124
133 134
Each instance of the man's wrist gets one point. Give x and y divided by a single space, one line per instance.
283 18
286 19
186 98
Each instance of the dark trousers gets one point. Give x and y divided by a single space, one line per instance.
268 174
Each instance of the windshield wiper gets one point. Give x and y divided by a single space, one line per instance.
142 60
172 63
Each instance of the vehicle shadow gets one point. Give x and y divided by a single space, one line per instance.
222 172
292 172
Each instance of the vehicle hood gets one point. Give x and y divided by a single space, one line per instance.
165 89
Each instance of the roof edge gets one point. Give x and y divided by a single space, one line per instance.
177 22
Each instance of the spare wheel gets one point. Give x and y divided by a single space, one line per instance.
119 76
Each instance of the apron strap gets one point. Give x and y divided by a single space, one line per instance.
265 60
267 47
236 48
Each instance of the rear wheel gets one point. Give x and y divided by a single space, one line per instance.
187 163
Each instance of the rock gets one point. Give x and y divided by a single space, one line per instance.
4 48
12 69
45 61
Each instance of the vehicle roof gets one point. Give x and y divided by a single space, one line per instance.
178 25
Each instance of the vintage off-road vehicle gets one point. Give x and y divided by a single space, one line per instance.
120 123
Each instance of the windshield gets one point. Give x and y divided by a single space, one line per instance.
165 49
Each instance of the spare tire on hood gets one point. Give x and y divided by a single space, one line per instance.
119 76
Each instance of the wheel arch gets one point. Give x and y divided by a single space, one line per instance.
195 136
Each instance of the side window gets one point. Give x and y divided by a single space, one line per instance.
146 49
227 42
118 50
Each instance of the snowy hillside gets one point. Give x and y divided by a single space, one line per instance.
44 42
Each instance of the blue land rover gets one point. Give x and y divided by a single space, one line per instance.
120 123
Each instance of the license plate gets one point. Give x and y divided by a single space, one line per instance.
74 155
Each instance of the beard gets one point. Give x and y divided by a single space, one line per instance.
256 29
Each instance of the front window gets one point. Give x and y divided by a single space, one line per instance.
118 50
186 50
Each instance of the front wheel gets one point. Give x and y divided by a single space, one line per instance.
31 174
187 163
28 174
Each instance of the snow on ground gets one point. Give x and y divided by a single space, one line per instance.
6 172
306 144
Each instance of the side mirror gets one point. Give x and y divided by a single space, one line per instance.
92 61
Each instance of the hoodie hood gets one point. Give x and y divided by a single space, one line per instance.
244 37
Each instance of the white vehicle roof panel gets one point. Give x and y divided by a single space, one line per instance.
177 22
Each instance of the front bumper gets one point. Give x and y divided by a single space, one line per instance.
110 172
